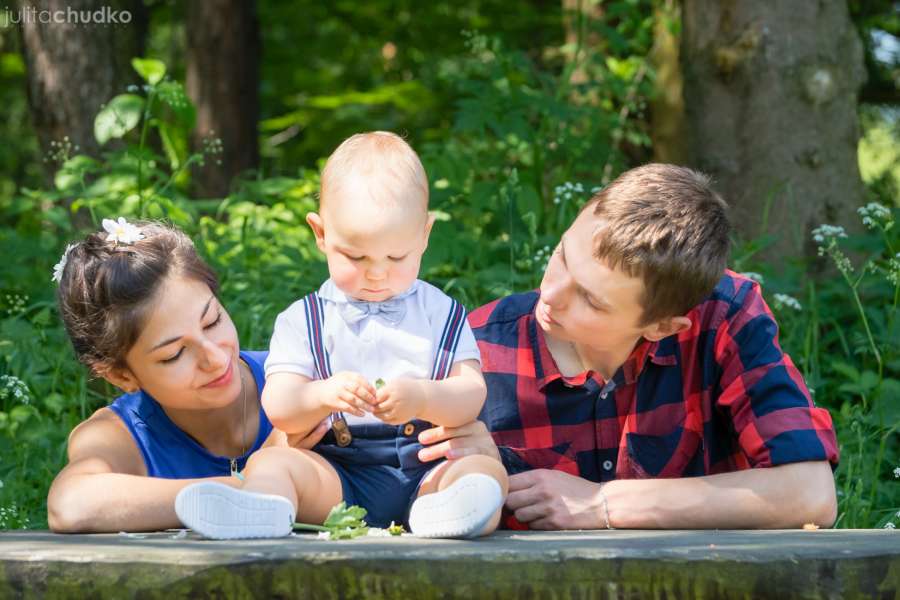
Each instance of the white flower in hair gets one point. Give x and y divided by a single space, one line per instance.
121 231
59 267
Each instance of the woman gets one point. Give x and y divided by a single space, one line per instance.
141 310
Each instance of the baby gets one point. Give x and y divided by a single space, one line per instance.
382 356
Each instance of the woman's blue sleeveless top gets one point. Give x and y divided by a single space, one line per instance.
167 450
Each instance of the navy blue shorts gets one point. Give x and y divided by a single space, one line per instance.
380 470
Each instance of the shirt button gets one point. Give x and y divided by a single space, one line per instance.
607 465
408 429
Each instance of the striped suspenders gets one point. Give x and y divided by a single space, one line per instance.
443 359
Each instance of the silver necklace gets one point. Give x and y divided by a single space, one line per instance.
234 466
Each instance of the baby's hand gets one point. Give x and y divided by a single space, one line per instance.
350 392
399 401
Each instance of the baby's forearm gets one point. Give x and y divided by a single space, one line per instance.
294 404
456 400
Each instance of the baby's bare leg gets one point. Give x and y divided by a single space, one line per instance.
302 476
450 471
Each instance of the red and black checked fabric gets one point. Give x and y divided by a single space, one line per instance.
721 396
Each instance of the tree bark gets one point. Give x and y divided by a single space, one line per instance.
771 95
74 67
667 106
222 77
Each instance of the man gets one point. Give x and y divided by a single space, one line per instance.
644 386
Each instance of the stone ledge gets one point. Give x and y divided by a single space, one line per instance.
559 565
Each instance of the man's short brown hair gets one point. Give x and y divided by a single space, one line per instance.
664 224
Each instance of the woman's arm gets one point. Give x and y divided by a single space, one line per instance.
104 488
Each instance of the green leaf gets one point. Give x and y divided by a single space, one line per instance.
848 371
151 70
117 118
343 523
379 383
343 516
868 381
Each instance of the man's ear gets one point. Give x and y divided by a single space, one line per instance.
317 225
123 379
666 327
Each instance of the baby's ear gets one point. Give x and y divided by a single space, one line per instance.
318 228
429 223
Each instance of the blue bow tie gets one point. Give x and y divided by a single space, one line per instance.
392 310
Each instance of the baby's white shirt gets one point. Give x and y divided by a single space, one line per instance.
372 347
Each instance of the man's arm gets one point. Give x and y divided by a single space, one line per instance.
784 496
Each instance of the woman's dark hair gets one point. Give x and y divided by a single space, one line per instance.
107 288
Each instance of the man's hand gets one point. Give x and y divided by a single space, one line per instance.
456 442
399 401
349 392
297 440
547 499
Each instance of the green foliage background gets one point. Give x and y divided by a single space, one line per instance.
512 148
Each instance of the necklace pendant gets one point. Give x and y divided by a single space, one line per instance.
341 430
234 470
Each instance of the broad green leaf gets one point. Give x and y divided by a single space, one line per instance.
117 118
151 70
343 516
848 371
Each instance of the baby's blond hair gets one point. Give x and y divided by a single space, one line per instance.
392 170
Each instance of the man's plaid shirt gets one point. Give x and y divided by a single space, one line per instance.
721 396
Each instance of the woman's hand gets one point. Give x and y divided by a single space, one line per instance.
456 442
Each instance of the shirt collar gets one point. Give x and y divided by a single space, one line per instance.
661 353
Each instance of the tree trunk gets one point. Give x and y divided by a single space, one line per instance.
771 95
667 106
75 66
222 76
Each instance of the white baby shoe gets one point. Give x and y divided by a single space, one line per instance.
462 510
220 512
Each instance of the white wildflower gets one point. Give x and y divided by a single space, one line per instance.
568 191
121 231
897 472
59 267
889 525
377 532
824 232
11 387
784 300
875 215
